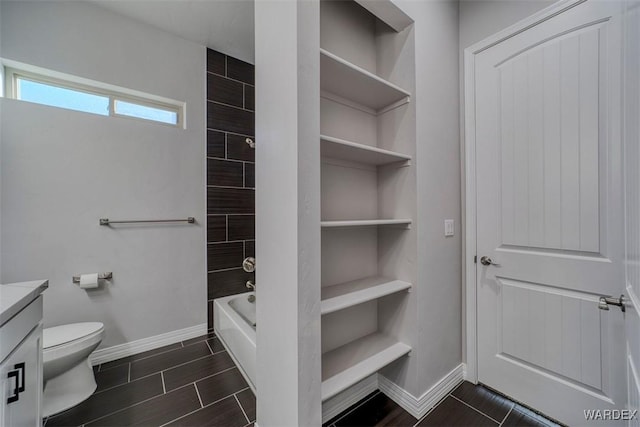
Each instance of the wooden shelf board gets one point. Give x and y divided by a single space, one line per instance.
353 362
355 152
366 223
340 77
344 295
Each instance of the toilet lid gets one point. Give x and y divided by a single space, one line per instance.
63 334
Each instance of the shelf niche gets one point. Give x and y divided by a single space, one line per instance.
368 189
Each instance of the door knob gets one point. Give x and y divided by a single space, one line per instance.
485 260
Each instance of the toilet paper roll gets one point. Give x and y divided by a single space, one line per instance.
89 281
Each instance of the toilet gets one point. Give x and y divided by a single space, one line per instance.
68 375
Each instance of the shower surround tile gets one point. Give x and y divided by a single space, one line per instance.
230 175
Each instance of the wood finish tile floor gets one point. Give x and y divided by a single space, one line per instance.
192 383
195 383
468 405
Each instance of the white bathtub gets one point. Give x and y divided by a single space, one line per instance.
234 319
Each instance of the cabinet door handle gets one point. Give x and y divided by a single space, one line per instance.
23 373
16 392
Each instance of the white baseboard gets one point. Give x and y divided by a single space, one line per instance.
419 406
350 396
119 351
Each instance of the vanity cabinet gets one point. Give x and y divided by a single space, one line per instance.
21 365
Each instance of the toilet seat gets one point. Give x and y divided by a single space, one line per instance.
66 334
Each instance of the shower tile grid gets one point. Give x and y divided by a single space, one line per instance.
467 405
190 383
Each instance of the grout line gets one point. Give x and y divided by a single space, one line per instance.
164 388
477 410
230 78
224 243
434 407
228 160
143 358
356 407
198 393
225 145
210 349
217 373
508 413
174 366
244 135
209 404
226 269
224 186
230 106
129 406
241 408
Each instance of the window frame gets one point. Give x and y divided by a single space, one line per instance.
12 75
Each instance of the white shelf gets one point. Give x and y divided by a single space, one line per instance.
355 152
388 13
366 223
342 78
344 295
353 362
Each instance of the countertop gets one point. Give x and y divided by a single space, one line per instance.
16 296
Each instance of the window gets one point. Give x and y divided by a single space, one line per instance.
84 97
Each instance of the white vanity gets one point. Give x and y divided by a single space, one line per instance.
21 354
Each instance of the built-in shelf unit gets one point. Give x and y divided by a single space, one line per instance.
368 183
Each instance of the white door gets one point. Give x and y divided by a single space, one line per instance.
550 213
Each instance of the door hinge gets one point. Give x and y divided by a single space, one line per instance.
475 259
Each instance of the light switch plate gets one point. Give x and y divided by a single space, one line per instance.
448 227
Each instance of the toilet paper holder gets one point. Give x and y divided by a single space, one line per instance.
104 276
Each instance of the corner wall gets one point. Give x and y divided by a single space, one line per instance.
63 170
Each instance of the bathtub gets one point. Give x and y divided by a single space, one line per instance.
234 319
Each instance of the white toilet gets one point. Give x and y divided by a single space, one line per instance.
68 375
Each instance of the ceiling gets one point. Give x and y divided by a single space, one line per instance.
223 25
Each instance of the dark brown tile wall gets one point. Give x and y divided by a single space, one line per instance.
230 175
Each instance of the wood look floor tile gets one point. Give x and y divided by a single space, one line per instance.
143 355
377 411
112 377
154 412
484 400
453 413
225 413
248 402
169 359
109 401
221 385
196 370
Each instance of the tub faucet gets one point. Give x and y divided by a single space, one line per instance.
251 285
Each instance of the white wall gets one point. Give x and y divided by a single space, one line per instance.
63 170
479 19
438 324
